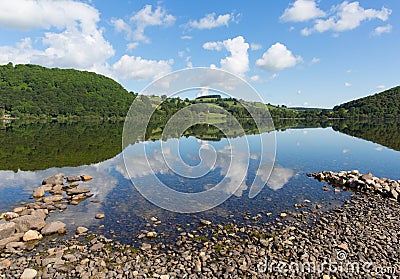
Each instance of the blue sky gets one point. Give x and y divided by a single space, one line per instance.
298 52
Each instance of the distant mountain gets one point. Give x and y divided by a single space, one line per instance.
381 105
42 92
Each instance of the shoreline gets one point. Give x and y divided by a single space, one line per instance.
362 233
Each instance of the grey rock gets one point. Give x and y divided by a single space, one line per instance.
76 191
57 190
367 176
54 180
73 178
54 227
27 222
81 230
7 229
96 247
14 238
54 198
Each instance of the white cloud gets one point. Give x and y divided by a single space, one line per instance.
277 58
346 16
186 37
255 78
213 46
137 68
254 46
28 15
132 45
302 10
381 86
238 61
211 21
79 45
382 30
347 84
144 18
315 60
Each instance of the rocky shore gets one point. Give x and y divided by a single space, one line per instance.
359 239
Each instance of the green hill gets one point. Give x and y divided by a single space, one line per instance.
381 105
43 92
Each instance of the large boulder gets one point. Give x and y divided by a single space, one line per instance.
28 222
32 235
54 227
7 229
54 180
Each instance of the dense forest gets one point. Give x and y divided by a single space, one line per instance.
381 105
37 91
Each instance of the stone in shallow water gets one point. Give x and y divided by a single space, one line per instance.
73 178
151 234
205 222
99 216
86 177
77 191
54 180
54 198
38 192
81 230
54 227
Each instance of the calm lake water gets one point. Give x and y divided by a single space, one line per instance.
32 152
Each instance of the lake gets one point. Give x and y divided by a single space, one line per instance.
31 152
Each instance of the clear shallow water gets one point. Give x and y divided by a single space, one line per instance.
298 151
